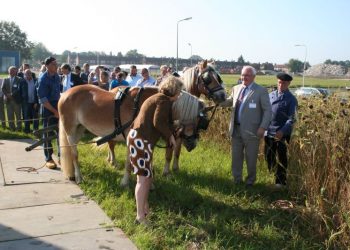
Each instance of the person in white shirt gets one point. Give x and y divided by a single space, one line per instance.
133 77
69 79
146 79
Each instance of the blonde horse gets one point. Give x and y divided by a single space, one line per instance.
89 107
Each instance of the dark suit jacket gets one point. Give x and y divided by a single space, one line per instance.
76 80
16 88
24 91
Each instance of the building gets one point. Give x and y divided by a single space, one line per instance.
9 58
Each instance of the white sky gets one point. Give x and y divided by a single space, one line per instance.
221 29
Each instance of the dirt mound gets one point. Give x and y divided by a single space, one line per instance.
324 70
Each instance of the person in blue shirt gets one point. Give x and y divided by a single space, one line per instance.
118 82
49 94
284 106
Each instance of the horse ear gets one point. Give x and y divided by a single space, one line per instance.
206 109
212 62
205 63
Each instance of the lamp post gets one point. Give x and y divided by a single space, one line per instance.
177 38
303 45
189 44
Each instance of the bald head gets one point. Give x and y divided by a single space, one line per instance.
28 75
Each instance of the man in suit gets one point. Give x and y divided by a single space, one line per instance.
2 107
11 88
26 66
69 79
30 102
251 116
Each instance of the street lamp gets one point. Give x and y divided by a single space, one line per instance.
189 44
303 45
177 38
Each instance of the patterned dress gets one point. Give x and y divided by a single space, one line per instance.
140 151
153 121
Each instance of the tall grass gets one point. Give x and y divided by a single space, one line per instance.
319 165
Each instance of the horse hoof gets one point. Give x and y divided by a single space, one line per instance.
71 178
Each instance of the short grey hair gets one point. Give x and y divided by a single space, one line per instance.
248 67
171 86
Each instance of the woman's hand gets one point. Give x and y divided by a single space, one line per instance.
172 141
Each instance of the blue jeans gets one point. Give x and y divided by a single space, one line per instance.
48 120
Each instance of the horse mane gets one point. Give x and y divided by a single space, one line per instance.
186 108
189 76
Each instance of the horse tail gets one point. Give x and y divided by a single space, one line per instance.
66 153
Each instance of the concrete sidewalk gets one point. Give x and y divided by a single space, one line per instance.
41 210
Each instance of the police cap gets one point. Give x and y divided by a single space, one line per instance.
284 77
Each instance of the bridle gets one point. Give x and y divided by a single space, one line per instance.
204 78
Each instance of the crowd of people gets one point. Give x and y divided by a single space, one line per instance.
256 114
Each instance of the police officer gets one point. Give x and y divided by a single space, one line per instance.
284 106
49 94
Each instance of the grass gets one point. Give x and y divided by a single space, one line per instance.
199 207
268 81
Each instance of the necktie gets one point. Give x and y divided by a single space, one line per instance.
238 104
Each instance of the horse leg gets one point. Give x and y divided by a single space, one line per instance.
125 181
111 155
168 157
73 139
66 160
177 151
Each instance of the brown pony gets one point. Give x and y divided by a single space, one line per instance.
89 107
200 79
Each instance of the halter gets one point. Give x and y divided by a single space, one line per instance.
205 79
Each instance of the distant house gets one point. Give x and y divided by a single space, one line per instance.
281 67
8 58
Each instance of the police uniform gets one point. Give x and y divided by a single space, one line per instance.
283 117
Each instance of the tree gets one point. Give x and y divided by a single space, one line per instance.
267 66
133 53
240 60
196 58
295 65
39 52
119 54
12 38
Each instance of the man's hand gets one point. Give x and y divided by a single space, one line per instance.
260 132
56 114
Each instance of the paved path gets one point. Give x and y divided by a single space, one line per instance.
40 210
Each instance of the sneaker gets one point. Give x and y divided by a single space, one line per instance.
51 164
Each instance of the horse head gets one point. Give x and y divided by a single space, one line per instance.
190 115
204 79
